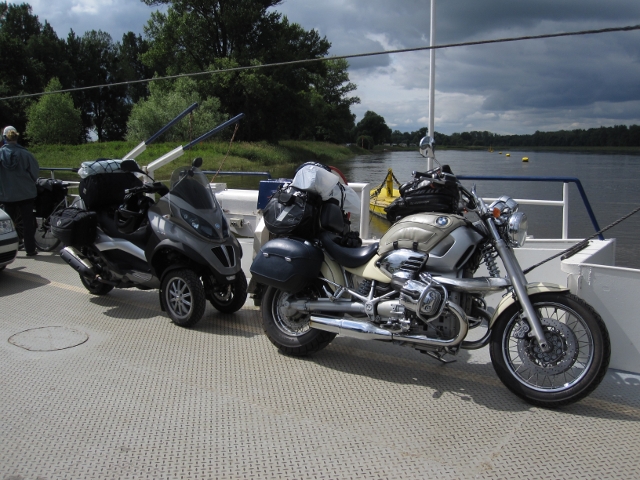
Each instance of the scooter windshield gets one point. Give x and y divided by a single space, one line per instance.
191 185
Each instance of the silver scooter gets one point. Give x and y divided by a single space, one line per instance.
179 244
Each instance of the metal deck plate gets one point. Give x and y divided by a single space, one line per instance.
144 398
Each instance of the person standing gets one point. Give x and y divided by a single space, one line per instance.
19 171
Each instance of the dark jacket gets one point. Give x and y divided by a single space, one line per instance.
19 171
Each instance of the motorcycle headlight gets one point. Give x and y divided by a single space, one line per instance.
6 226
199 224
517 229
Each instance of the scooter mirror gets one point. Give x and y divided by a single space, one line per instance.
130 166
197 162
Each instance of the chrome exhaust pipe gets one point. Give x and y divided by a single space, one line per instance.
326 305
74 258
350 328
364 330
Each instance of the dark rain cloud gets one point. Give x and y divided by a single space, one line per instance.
542 84
594 77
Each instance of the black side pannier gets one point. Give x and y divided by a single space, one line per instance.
74 227
433 191
293 212
50 194
289 264
106 189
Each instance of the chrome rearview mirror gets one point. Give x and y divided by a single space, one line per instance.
426 147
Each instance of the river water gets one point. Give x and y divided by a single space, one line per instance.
611 182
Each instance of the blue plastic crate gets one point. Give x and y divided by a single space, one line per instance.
267 189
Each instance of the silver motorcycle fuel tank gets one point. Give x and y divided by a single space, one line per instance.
446 238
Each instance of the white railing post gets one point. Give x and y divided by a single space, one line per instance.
362 189
565 211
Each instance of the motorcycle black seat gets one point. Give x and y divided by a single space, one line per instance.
347 257
108 224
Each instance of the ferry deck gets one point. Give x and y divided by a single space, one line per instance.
107 387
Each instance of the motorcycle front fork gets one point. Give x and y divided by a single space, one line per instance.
519 284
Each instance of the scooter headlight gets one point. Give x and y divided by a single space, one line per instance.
517 229
199 224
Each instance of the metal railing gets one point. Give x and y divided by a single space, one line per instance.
363 192
564 203
241 174
53 171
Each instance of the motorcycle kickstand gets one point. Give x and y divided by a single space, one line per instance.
438 356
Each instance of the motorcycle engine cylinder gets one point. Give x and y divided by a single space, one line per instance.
420 297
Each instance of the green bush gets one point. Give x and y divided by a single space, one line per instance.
54 120
165 102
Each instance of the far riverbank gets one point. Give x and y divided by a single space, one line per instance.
508 149
243 156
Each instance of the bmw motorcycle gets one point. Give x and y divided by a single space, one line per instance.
416 287
179 244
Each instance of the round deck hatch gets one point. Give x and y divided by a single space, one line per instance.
48 339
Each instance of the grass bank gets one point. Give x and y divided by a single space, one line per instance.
243 156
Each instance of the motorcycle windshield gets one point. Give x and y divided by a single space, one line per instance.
192 186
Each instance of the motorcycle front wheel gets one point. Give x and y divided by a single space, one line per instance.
231 297
45 241
183 297
288 329
576 363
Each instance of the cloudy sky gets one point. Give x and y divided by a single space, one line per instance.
553 84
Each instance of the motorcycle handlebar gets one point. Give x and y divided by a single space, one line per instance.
155 187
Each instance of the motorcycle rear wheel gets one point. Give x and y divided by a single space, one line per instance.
183 297
573 368
95 287
290 331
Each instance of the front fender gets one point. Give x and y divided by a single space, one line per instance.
532 288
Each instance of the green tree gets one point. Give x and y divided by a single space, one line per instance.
193 33
283 102
373 125
32 53
53 119
167 100
131 67
331 104
95 61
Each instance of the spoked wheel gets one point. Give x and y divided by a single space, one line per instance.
231 297
45 241
94 286
287 328
183 297
574 366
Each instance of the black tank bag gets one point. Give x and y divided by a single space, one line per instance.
433 191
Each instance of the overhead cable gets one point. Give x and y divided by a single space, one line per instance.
336 57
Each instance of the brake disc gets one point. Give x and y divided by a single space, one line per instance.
562 355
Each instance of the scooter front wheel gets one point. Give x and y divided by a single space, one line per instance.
183 297
231 297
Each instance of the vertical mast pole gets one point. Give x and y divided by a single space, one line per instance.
432 80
